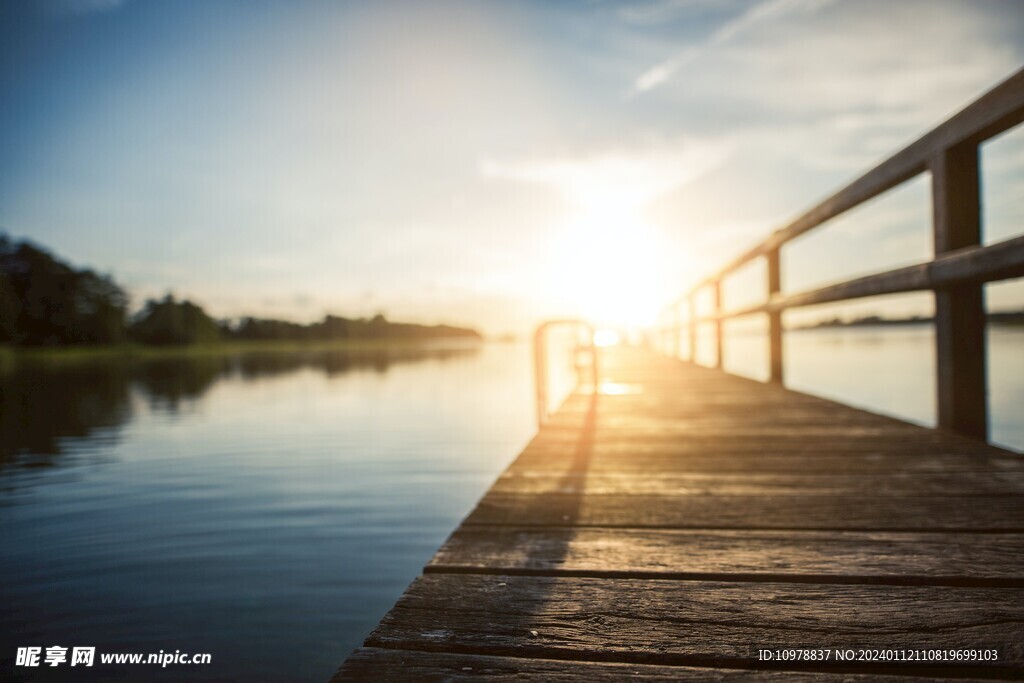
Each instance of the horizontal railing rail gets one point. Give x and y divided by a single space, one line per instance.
955 275
540 360
974 264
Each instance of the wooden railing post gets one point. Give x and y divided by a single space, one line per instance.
675 332
670 334
540 361
716 302
774 319
956 275
667 342
959 310
679 330
693 326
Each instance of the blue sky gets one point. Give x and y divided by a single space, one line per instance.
481 163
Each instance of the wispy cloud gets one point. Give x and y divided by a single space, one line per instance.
768 11
634 176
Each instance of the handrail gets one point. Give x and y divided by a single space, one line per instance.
540 361
956 274
993 113
999 261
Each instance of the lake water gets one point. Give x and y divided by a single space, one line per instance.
269 509
889 369
265 509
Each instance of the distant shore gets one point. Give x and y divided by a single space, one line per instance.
1002 318
133 351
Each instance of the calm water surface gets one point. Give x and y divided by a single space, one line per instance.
269 509
889 370
265 509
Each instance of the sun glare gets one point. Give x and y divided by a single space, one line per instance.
606 338
607 264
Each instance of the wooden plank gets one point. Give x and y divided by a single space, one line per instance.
867 513
825 557
687 431
667 458
635 416
688 435
684 430
380 664
723 415
696 622
520 480
693 397
687 517
736 429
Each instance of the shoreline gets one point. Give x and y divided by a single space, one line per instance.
134 351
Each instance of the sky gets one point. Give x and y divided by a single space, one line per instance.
487 164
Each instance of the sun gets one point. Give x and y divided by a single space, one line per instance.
607 264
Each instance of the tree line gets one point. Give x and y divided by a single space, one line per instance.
47 302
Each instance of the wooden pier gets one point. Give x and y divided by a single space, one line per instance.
678 522
681 519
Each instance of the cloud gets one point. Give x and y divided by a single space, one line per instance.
839 91
635 176
770 10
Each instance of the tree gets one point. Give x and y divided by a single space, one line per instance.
168 322
10 309
46 301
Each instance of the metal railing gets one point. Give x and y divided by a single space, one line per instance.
540 360
956 274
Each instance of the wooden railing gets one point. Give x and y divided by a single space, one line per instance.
956 274
541 365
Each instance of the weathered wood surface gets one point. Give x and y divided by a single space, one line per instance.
694 622
861 557
871 512
622 459
682 518
676 483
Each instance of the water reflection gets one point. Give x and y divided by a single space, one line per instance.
44 403
267 508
